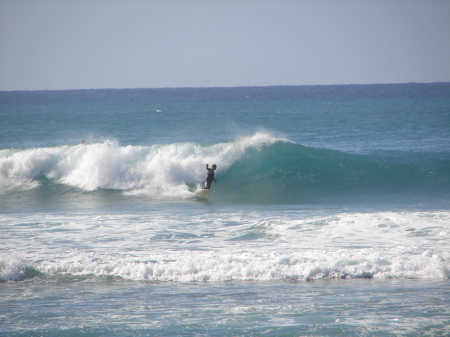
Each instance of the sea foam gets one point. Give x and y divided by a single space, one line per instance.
11 269
250 266
108 165
240 247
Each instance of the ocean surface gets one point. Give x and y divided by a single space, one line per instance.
330 215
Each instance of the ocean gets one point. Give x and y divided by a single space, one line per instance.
330 215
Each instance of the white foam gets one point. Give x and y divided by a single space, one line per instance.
263 267
111 166
235 246
11 268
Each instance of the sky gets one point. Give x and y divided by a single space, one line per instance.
87 44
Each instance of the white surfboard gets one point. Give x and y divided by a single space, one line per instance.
203 193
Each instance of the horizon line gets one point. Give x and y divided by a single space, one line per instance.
229 87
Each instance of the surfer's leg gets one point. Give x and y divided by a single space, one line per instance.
207 184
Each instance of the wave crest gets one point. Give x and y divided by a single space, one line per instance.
108 165
256 168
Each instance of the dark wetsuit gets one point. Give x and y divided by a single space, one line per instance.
209 178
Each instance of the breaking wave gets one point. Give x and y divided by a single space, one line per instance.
258 167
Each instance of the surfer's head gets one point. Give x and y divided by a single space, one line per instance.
214 166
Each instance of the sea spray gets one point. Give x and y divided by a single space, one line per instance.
108 165
257 168
11 269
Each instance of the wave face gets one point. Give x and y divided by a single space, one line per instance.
285 171
257 168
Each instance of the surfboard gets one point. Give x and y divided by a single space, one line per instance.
203 193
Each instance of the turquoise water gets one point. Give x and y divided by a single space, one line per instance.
330 215
325 308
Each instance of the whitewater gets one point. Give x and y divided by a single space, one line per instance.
232 246
110 166
330 215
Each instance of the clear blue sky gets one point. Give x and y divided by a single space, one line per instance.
62 44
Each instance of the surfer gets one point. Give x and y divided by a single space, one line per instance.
210 177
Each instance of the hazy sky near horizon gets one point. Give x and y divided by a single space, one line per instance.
50 44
